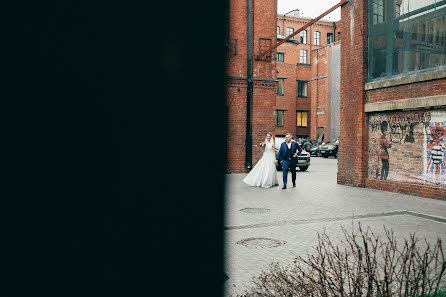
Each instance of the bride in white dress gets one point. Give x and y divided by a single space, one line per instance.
264 174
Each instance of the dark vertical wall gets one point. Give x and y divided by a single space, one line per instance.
114 161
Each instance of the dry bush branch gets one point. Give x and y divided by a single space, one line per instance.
360 264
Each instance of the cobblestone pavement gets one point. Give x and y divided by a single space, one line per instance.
295 216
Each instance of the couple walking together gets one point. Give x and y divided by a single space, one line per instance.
264 174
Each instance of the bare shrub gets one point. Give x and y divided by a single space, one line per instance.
360 264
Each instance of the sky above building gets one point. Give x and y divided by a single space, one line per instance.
310 8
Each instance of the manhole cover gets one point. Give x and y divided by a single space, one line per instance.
255 210
261 242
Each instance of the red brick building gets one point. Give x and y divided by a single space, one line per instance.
393 96
301 72
251 83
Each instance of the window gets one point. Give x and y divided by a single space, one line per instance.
302 88
329 38
280 86
278 30
317 38
397 10
339 36
303 37
377 11
303 56
302 118
431 33
423 32
279 118
405 39
289 31
280 57
414 32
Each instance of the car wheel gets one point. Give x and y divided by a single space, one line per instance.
303 168
318 154
325 155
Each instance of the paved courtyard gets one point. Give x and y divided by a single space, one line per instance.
293 217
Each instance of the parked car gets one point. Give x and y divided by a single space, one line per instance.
303 160
314 150
330 149
307 144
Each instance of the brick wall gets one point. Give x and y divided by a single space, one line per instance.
414 138
236 102
413 90
287 101
290 101
352 154
264 81
319 91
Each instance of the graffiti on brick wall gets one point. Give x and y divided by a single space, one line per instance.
435 151
408 147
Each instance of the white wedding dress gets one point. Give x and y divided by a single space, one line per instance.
264 174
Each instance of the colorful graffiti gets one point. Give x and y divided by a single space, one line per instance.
435 153
408 147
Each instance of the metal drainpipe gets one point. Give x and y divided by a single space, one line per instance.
248 142
334 32
311 44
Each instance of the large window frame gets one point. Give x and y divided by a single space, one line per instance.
280 117
377 10
302 118
330 38
281 86
302 88
317 38
303 37
303 56
405 41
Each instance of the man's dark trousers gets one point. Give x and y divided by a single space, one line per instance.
289 162
291 165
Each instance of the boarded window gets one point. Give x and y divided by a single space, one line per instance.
264 45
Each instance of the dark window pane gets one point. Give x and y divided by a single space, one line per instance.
379 56
303 36
302 88
279 118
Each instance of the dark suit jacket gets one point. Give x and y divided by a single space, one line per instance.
295 147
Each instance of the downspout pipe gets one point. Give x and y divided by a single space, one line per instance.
249 93
334 32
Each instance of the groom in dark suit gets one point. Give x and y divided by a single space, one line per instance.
289 150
